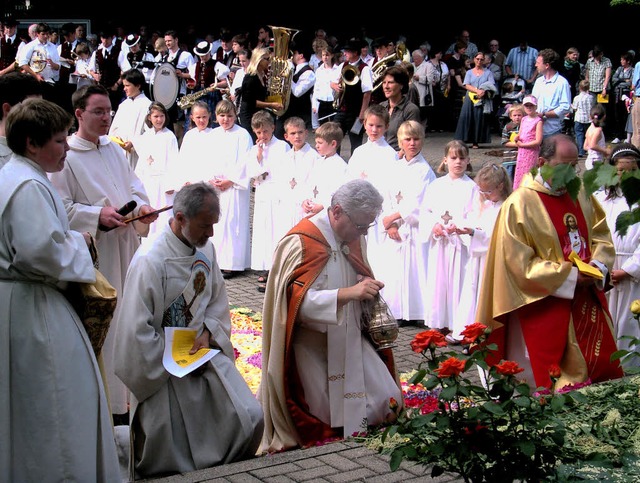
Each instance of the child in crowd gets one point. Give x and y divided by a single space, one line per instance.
581 107
510 130
328 170
494 185
594 141
266 165
157 149
446 203
528 140
299 161
626 268
228 174
82 66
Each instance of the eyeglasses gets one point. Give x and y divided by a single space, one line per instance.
360 227
101 112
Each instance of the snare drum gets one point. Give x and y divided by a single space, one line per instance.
164 85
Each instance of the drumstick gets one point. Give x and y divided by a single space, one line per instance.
148 214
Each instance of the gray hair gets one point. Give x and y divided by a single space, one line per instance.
358 196
193 198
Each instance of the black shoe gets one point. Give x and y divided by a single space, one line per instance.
227 274
262 288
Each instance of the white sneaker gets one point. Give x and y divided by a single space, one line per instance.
615 141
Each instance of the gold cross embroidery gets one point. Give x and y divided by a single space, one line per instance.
399 197
292 183
446 217
150 160
363 175
315 191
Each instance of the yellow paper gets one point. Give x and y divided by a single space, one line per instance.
118 140
585 268
474 98
512 138
182 343
603 99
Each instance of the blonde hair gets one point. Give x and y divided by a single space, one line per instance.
256 56
261 119
495 175
515 108
225 106
410 130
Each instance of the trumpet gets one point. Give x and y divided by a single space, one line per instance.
349 76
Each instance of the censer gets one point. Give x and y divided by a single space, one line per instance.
380 323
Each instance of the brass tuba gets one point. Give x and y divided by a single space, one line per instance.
349 76
280 71
379 68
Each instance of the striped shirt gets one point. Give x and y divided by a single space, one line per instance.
595 73
522 62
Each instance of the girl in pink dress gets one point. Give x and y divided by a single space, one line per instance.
528 140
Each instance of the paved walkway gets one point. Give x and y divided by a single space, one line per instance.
342 461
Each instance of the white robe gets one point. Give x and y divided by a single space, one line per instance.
402 266
482 219
55 419
299 164
376 162
197 421
158 151
268 178
96 176
5 152
231 235
195 158
326 176
622 295
448 254
129 122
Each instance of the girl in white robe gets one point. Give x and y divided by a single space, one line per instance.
625 275
494 185
158 154
447 201
229 171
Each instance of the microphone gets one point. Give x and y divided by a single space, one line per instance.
124 210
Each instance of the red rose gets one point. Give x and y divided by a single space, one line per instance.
508 368
450 367
554 371
472 332
423 340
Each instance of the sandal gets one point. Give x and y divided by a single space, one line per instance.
263 278
262 288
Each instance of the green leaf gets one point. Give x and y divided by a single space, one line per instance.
449 393
630 186
418 376
626 219
527 447
493 408
396 458
557 402
523 402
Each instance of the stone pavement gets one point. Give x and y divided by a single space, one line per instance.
341 461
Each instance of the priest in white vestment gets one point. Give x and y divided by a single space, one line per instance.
322 378
207 417
96 181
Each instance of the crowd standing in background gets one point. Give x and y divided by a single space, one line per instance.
226 116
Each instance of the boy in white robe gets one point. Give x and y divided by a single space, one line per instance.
209 416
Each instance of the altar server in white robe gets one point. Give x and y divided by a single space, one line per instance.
375 161
210 416
131 116
446 203
298 163
266 165
328 170
403 257
229 176
96 181
494 185
158 151
55 419
625 275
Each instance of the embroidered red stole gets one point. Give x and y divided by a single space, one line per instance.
316 252
545 324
